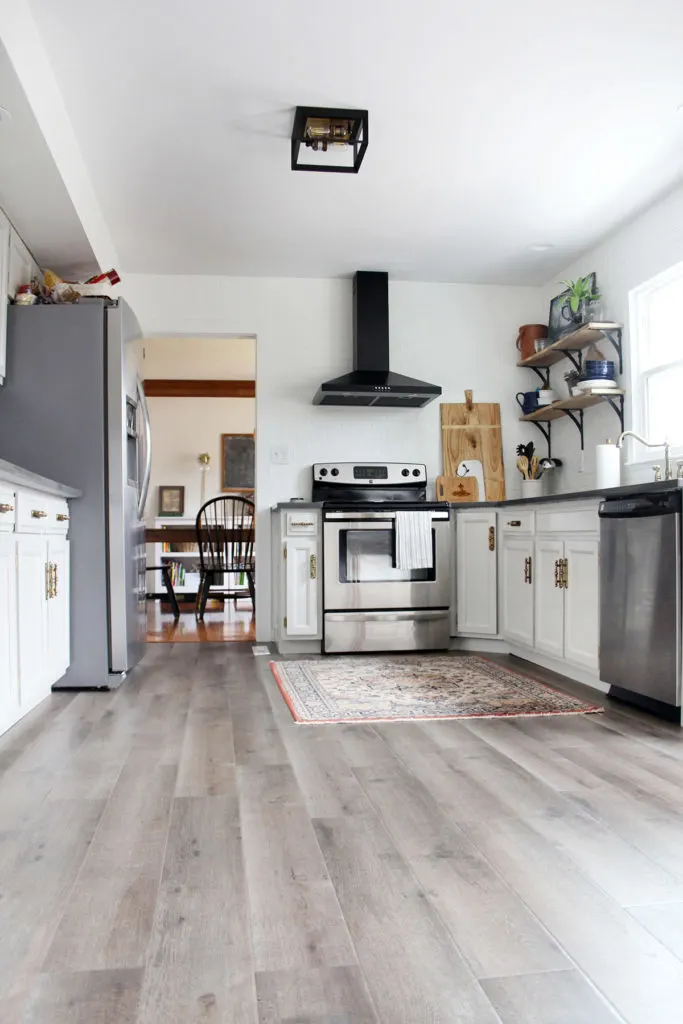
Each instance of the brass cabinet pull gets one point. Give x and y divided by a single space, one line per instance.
492 538
61 517
565 573
514 522
48 580
6 508
313 565
557 572
527 570
529 579
37 513
301 523
55 579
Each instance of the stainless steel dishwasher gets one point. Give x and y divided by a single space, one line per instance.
640 600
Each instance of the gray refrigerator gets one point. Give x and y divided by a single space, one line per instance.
73 409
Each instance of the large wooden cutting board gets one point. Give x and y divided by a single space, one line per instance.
472 430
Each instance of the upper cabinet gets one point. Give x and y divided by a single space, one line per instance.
4 294
17 267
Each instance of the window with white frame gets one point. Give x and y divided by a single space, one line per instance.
656 356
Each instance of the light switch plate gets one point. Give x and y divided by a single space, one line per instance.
279 454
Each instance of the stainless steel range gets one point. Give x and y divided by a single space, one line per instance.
386 564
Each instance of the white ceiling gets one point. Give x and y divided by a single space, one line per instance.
31 190
493 126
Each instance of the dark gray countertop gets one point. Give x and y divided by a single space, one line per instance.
18 477
649 487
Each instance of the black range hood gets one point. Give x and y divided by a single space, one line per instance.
371 382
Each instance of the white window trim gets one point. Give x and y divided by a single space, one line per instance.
638 454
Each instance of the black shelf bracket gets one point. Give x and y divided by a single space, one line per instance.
614 336
544 373
619 409
577 421
547 433
575 358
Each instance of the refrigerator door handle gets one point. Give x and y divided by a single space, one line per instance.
147 431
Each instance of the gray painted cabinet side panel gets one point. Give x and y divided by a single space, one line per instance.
52 421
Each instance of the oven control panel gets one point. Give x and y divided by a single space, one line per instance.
370 472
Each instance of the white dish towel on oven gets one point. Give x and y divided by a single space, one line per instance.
414 540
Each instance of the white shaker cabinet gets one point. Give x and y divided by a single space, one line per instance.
297 591
581 602
32 602
549 598
476 574
34 595
517 597
9 679
17 267
301 572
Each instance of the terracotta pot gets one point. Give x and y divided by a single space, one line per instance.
528 334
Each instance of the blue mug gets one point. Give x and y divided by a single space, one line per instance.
527 401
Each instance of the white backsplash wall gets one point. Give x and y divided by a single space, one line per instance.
648 245
458 336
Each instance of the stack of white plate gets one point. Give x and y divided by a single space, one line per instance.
597 384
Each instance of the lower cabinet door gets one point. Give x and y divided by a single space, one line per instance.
58 652
549 598
517 597
10 709
301 587
582 608
32 587
476 574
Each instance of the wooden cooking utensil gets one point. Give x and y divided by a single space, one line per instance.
534 467
457 488
523 466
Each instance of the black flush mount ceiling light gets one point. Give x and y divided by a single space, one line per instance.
326 139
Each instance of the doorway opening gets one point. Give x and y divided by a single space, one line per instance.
201 397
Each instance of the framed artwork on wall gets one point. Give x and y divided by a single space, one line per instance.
171 501
238 462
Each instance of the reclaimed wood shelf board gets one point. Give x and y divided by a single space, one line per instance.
572 341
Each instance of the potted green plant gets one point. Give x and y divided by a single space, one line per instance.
581 304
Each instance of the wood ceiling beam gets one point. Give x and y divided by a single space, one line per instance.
158 387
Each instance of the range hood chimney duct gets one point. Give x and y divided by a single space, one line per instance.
372 383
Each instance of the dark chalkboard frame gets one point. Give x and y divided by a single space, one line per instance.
226 485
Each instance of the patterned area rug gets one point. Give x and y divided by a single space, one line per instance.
406 687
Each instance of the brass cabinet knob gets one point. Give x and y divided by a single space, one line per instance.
6 508
37 513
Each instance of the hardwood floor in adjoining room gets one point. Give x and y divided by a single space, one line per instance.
181 851
231 624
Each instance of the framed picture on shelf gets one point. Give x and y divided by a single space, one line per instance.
171 501
560 319
237 462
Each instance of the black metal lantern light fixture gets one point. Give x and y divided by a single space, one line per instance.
326 139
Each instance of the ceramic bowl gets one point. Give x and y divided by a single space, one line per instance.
593 368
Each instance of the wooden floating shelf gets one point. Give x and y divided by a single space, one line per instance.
572 341
557 409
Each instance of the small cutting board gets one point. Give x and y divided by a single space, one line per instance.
457 488
471 430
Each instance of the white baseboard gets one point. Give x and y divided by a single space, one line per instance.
483 644
563 668
299 646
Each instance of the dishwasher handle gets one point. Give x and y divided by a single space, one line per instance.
641 506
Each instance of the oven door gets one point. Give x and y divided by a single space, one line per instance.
360 570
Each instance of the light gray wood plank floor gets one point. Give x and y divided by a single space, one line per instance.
181 851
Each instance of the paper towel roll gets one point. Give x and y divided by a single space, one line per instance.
607 466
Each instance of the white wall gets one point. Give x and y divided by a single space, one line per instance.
182 428
199 358
458 336
651 243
